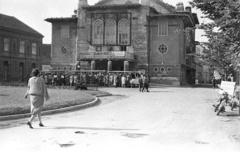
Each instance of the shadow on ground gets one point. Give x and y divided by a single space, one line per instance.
86 128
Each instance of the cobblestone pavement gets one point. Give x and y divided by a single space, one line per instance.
165 119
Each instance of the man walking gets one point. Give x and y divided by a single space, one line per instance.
140 82
145 83
214 82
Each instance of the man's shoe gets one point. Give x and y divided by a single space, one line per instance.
41 125
30 125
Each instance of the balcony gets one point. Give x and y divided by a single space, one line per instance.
113 55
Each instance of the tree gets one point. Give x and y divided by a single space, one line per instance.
223 32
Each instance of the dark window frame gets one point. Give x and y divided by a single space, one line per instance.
104 19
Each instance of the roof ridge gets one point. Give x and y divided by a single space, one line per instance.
167 6
14 23
102 2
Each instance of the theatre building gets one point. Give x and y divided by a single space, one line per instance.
149 36
20 49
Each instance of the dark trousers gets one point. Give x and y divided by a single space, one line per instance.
140 86
145 86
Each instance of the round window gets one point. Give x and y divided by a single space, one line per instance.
169 69
162 48
162 69
155 69
65 49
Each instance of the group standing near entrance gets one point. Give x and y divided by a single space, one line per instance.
99 78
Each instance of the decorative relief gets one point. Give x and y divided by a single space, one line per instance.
91 48
65 50
162 48
140 42
82 45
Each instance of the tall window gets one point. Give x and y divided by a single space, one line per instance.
64 31
98 32
110 32
123 32
6 70
34 48
14 47
111 29
21 71
27 51
6 44
22 47
162 28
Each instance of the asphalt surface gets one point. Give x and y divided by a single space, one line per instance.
165 119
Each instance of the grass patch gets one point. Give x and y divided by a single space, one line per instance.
12 99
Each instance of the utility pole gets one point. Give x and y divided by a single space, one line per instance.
148 45
148 40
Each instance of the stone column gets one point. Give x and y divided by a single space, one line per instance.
93 65
109 66
126 66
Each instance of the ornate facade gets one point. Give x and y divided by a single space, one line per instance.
128 35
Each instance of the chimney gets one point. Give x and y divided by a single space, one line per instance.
179 7
188 9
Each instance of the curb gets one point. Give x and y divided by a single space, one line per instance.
48 112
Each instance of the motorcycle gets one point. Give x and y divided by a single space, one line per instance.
220 107
234 103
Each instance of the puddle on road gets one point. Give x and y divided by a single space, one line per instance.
134 135
79 132
66 145
201 142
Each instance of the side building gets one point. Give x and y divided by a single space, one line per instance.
20 49
148 36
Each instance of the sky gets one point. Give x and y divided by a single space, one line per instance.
34 12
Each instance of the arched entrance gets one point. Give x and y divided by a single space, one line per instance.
21 71
6 71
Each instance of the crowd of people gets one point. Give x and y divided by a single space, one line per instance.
99 78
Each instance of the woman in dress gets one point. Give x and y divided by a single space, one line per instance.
123 81
36 91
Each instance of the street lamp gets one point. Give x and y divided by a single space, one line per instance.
78 66
148 44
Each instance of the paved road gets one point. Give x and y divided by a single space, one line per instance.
166 119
